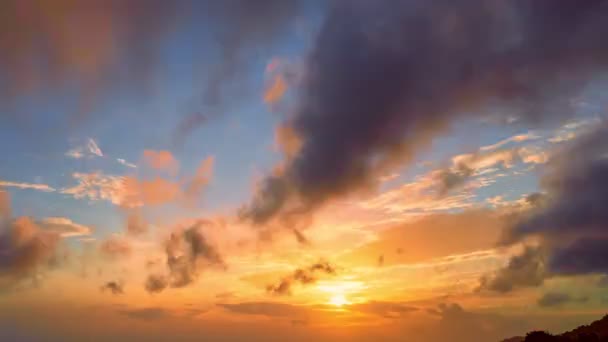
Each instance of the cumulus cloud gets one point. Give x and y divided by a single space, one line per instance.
24 249
523 270
188 253
568 219
156 191
361 113
161 160
304 276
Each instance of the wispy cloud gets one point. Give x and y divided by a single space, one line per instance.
515 138
125 163
90 148
65 227
21 185
96 186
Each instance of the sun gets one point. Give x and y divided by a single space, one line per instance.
338 300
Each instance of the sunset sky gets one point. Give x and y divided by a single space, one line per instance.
283 170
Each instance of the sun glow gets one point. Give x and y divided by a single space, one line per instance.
338 300
340 290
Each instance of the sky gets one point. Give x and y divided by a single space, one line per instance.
298 170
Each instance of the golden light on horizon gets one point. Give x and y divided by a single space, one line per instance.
338 300
340 290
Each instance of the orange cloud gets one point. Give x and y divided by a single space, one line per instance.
161 160
202 177
276 90
431 237
5 205
286 140
149 192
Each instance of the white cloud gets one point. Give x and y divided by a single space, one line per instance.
94 148
97 186
572 129
33 186
125 163
91 148
75 153
65 227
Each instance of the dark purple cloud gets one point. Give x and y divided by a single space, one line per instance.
386 77
570 220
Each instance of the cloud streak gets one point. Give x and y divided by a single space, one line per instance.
32 186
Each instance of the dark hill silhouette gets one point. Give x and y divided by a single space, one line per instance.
594 332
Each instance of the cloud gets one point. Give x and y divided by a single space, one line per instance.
146 314
516 138
156 191
188 124
24 248
424 238
362 113
131 192
383 309
304 276
119 46
116 247
569 221
566 219
126 163
286 140
156 283
460 325
161 160
96 186
527 269
552 299
418 196
274 92
5 205
136 223
90 149
65 227
114 287
33 186
93 148
188 254
194 187
273 310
